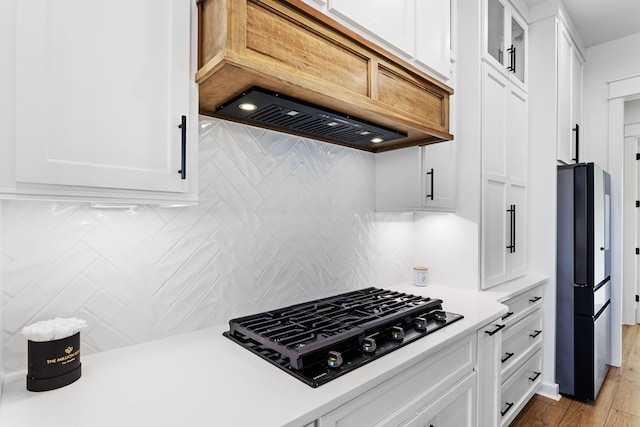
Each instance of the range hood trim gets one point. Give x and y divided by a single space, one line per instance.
387 92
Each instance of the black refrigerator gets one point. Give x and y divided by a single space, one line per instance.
583 313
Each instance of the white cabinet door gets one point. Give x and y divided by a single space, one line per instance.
456 408
565 137
495 180
101 89
504 158
505 40
517 149
439 176
569 96
433 35
390 21
576 100
418 31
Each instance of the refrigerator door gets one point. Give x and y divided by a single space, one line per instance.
591 225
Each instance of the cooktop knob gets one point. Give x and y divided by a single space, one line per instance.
441 317
420 323
397 333
334 360
369 345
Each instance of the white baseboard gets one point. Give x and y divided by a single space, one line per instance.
552 391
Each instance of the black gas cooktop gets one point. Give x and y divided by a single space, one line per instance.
321 340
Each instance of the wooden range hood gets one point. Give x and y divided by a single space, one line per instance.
288 49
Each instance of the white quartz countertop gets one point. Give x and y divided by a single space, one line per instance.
205 379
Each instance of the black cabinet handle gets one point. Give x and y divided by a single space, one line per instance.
577 131
536 299
430 196
512 228
183 161
509 405
512 59
495 331
509 314
507 357
535 334
535 377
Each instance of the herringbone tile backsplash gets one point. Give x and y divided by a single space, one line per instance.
280 220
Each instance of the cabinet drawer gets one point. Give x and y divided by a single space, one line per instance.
521 305
400 397
517 390
519 341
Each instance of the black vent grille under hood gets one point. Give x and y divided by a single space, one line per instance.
275 111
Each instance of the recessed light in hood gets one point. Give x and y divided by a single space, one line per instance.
279 112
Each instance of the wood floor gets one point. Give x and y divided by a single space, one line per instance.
617 405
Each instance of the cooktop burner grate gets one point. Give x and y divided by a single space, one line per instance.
323 339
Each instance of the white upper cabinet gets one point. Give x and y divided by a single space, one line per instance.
417 31
417 178
105 99
505 40
569 96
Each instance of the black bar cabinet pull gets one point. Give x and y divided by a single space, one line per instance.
509 405
495 331
577 131
535 377
512 59
430 196
509 314
535 333
512 229
183 162
536 299
507 357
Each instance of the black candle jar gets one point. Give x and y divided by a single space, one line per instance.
53 364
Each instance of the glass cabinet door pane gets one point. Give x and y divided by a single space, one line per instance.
517 43
495 30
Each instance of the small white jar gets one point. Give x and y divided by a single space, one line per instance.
420 276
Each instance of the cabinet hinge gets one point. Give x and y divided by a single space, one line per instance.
637 156
637 203
637 298
637 251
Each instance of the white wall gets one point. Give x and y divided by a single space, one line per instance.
605 63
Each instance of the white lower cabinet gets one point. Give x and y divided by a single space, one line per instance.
455 408
428 392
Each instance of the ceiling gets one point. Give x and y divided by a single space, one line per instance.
601 21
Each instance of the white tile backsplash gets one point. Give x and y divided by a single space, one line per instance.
280 220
